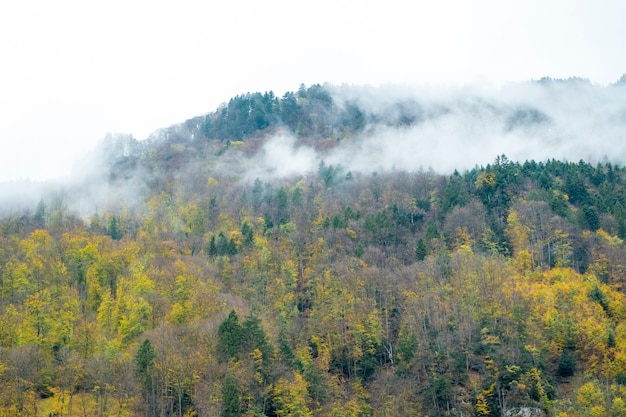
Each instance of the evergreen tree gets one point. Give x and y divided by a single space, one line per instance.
222 244
575 188
114 230
567 364
421 251
229 335
40 212
231 248
253 337
591 217
144 362
212 246
247 233
231 404
144 358
358 251
257 194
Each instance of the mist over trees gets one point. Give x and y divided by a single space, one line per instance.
248 262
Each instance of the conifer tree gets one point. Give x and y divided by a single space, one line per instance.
231 404
230 334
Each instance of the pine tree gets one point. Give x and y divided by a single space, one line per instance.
114 230
40 212
144 359
231 404
567 364
212 247
144 362
229 335
421 251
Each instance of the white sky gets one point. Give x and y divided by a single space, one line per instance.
70 71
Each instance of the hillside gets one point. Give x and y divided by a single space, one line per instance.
302 256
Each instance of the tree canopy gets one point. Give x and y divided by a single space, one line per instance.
399 293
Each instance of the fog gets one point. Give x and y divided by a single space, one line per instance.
461 128
408 128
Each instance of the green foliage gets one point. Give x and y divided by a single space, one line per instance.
567 364
231 402
247 233
40 213
230 335
113 229
591 218
358 251
388 294
454 194
407 348
253 337
598 296
421 250
144 358
329 174
309 112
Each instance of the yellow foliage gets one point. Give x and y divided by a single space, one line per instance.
608 239
143 284
179 311
590 395
485 179
357 406
257 357
597 411
618 407
303 353
236 236
482 406
291 396
463 240
323 354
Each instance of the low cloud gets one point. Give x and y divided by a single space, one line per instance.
280 157
460 129
404 128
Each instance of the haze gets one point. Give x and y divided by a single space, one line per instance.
461 128
73 71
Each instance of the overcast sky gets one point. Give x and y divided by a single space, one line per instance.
71 71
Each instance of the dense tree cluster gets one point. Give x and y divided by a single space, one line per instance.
333 293
309 112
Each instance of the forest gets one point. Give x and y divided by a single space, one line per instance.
190 289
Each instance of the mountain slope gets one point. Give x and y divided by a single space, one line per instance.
197 275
